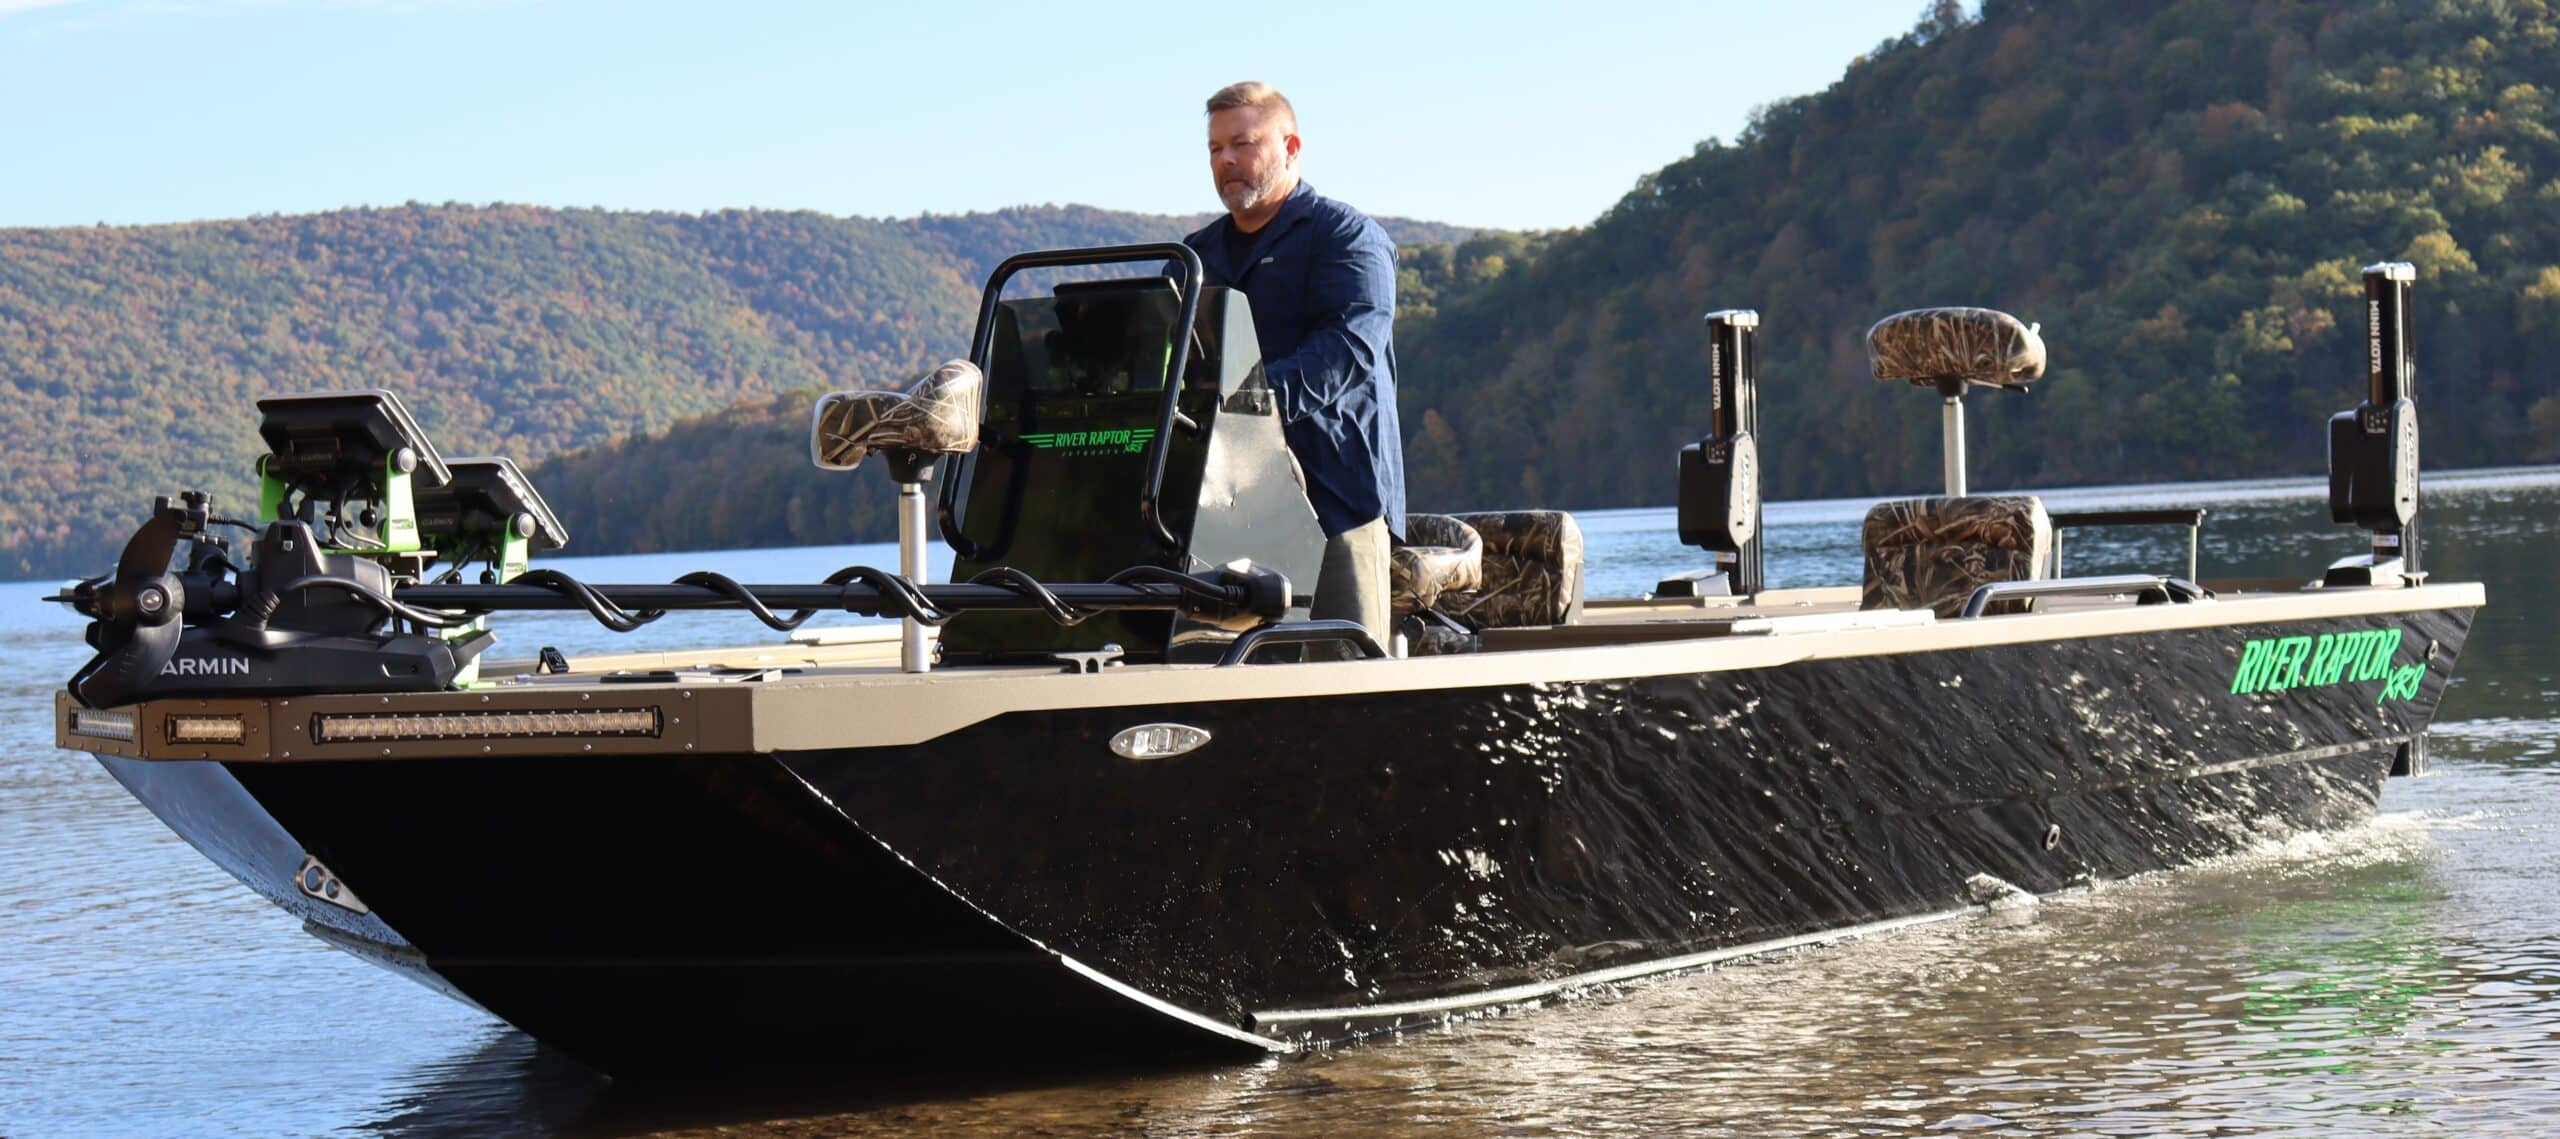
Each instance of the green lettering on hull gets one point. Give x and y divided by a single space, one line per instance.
2282 664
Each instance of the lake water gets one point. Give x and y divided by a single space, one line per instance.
2401 978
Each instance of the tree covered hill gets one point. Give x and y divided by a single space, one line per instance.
2182 193
740 476
131 357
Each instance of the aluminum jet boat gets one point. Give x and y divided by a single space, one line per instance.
1111 790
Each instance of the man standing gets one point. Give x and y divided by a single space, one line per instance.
1322 279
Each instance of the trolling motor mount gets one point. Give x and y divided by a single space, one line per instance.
296 619
2373 446
1720 474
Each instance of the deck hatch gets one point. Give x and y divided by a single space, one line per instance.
367 727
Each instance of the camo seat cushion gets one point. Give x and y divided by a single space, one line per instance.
1439 554
939 415
1532 571
1976 345
1932 553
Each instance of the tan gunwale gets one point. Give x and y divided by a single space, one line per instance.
851 694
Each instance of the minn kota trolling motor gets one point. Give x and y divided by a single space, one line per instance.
338 591
1720 474
2373 446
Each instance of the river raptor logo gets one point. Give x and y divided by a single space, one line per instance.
2281 664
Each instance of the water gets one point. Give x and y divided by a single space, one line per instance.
2401 978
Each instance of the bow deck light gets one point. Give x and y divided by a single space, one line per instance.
375 726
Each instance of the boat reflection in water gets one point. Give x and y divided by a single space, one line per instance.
1112 794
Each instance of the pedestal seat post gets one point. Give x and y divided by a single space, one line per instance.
914 430
1932 553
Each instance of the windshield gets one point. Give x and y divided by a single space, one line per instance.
1098 338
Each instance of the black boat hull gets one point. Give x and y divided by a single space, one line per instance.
1326 865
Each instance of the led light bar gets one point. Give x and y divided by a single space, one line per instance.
363 727
103 725
208 730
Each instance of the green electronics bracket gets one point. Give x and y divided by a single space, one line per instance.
349 464
489 511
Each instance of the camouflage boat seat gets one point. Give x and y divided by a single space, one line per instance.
1532 571
938 416
1932 553
1439 554
1951 348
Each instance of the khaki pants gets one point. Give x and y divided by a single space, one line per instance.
1352 584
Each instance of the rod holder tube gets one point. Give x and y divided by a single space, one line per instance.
915 649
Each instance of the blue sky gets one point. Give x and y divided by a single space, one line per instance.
1498 113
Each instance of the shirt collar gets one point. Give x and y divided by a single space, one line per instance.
1292 210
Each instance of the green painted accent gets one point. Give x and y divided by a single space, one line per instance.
270 494
2403 684
514 556
469 677
2282 664
399 510
400 513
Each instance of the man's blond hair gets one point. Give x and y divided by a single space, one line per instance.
1253 93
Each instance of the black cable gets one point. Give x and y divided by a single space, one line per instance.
337 517
1208 595
598 606
475 549
265 606
1028 586
899 597
728 587
896 596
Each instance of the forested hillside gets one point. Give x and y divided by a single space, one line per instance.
740 477
131 357
2181 193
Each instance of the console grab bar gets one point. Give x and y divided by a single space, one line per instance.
2148 589
1328 631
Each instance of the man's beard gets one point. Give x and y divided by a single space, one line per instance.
1251 195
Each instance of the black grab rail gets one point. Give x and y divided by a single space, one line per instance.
2191 517
2148 589
981 346
1323 632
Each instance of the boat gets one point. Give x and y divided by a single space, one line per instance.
1109 791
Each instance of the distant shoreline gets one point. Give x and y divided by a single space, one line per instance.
1801 511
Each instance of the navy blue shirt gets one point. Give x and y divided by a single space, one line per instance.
1322 279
